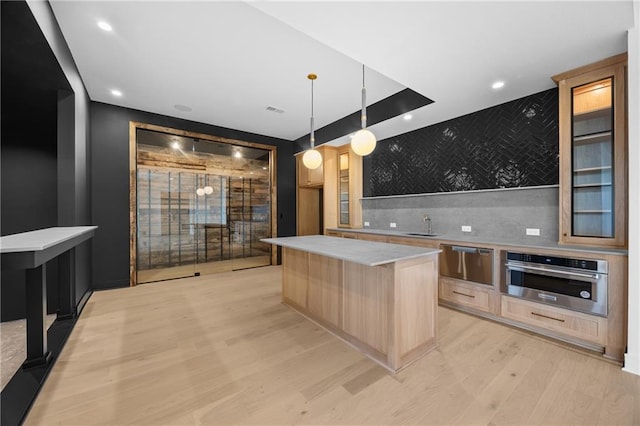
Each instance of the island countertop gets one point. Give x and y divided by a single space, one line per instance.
367 253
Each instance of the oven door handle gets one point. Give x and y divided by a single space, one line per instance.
522 268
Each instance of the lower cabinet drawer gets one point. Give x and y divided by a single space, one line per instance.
373 237
469 295
581 326
352 235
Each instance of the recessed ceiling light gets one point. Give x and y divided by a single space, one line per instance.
237 154
407 117
175 145
105 26
497 85
183 108
116 92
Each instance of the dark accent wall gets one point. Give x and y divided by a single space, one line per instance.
45 117
514 144
30 78
110 183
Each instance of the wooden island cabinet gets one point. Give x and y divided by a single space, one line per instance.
381 298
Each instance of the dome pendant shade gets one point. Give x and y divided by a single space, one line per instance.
363 142
312 159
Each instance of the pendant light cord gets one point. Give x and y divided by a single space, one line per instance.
313 136
364 102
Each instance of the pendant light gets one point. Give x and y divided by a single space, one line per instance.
312 159
363 142
200 190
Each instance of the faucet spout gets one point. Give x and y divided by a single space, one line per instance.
427 223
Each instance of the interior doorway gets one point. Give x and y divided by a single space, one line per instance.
200 204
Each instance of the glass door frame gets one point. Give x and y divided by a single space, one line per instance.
133 173
614 67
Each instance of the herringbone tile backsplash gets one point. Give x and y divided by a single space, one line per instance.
510 145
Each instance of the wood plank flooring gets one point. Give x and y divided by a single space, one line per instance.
160 274
221 349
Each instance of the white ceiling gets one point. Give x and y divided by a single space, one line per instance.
229 60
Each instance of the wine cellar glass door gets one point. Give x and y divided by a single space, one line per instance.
249 221
201 207
167 232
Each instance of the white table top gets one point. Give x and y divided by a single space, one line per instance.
368 253
41 239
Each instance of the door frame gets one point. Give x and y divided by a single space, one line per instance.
133 182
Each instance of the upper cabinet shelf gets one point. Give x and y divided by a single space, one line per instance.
593 168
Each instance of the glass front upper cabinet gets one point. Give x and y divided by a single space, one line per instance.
592 165
343 183
592 155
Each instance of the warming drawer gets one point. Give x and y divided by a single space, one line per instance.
467 263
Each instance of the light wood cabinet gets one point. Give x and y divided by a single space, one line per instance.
316 192
606 335
373 237
387 311
469 295
329 196
349 182
590 328
309 177
409 241
592 124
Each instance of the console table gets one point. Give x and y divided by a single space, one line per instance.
31 251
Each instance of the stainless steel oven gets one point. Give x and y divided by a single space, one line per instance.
577 284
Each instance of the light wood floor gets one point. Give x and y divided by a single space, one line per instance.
223 350
159 274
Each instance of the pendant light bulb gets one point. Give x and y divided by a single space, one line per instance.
364 141
200 192
312 159
208 190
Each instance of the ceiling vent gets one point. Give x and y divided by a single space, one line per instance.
275 109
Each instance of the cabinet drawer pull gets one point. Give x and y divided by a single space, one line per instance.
548 317
462 294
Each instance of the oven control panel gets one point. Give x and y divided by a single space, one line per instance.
590 265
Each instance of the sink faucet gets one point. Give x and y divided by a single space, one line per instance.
427 223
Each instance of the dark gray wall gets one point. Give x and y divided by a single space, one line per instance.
44 141
110 183
73 145
30 79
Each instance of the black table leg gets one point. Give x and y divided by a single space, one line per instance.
37 351
67 285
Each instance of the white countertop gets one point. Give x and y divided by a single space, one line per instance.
368 253
41 239
529 242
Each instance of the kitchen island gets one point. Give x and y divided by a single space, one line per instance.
381 298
